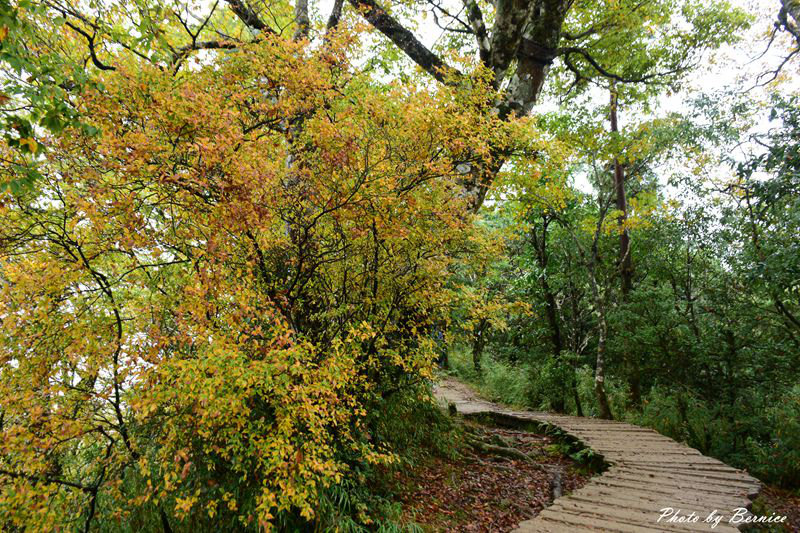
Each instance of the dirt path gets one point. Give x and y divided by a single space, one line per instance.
648 473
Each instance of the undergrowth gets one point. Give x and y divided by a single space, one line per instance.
766 443
414 428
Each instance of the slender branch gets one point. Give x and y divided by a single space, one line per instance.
773 74
92 52
467 28
68 11
570 50
48 479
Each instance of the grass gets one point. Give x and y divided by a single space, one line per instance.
498 381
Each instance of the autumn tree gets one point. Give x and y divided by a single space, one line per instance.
206 303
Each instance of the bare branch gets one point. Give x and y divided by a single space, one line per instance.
92 52
336 14
248 16
405 40
773 74
466 28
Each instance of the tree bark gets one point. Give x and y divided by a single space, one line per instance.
602 337
789 17
551 308
625 256
478 344
406 41
602 323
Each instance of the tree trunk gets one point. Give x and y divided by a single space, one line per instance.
625 257
602 333
575 396
600 372
551 307
478 343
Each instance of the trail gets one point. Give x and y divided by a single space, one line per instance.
648 472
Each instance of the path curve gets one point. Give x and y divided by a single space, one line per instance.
648 472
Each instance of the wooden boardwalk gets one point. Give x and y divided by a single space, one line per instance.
648 472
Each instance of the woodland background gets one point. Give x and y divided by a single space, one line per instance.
240 239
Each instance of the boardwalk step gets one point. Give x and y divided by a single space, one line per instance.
648 473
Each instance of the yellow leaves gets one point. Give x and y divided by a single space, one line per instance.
184 505
229 501
211 508
30 144
3 33
260 279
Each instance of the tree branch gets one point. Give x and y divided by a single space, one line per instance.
475 18
510 18
183 51
48 479
567 51
92 52
248 16
790 8
406 41
336 15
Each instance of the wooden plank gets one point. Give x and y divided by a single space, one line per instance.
541 526
629 515
683 480
714 500
711 478
635 501
688 465
727 474
564 517
649 472
693 499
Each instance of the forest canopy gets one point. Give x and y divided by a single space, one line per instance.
240 238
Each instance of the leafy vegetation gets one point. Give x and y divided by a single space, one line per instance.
703 345
237 237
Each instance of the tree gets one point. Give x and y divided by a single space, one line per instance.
204 309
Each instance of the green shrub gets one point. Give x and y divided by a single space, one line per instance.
778 458
498 381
